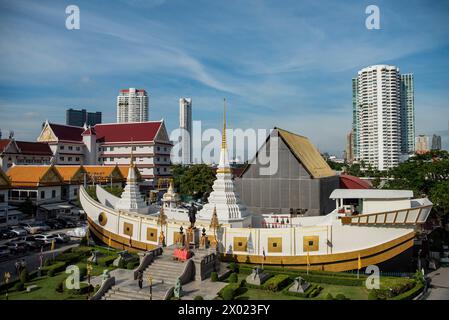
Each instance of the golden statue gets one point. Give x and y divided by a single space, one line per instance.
162 239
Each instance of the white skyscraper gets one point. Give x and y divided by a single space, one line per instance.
378 116
132 105
185 124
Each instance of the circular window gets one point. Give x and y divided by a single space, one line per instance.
102 218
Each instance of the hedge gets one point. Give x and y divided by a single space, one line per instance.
277 282
311 292
82 250
106 261
84 288
333 280
69 257
56 267
214 277
229 292
233 278
409 295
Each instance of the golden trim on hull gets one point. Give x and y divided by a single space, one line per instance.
327 262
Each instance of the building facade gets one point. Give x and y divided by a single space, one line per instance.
378 114
436 142
422 144
349 154
112 144
407 114
81 117
185 124
132 105
301 184
14 152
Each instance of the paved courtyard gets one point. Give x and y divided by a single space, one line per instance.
440 285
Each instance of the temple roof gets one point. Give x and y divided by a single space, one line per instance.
307 153
126 132
32 176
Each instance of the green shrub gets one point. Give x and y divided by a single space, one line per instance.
233 278
329 296
344 281
82 250
19 286
83 241
60 287
372 295
56 267
69 257
83 272
51 273
106 261
47 262
312 291
276 282
233 267
198 298
228 292
214 277
132 265
24 277
341 296
409 295
84 289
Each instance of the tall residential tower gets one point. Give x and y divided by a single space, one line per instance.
132 105
383 116
185 124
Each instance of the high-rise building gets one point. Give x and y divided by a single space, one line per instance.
383 116
185 124
349 154
80 117
436 142
422 144
407 114
132 105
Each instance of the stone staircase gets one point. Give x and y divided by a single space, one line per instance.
164 272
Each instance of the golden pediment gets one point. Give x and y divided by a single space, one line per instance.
47 135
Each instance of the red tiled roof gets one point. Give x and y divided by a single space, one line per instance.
127 132
351 182
89 131
3 144
68 133
38 148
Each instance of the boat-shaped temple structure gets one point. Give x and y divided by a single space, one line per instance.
366 227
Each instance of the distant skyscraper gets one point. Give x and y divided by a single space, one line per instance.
422 144
407 114
383 116
185 123
349 154
436 142
132 105
80 117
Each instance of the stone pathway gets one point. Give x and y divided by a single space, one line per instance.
440 285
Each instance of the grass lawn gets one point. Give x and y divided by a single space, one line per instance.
351 292
47 285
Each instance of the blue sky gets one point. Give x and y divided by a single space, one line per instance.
279 63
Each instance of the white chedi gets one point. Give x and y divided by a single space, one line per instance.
131 199
224 197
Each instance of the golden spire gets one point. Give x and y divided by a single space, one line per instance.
223 135
131 163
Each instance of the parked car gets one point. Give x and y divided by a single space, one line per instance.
62 237
66 223
18 231
31 242
54 224
6 233
33 228
17 246
4 251
45 239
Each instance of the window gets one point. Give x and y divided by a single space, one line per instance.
62 148
99 149
61 158
75 192
2 198
158 148
134 148
77 148
77 158
53 193
42 194
111 159
165 169
70 148
70 159
99 159
111 148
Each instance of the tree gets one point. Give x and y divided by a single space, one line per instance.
195 180
439 195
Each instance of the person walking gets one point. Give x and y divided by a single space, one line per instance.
140 279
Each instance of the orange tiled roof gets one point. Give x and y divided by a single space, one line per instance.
69 173
125 169
32 176
103 172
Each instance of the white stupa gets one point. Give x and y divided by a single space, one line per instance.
223 197
131 199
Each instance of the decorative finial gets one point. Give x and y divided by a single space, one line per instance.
223 135
131 163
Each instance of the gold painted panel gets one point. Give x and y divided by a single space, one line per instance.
152 234
240 243
274 244
128 229
310 243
